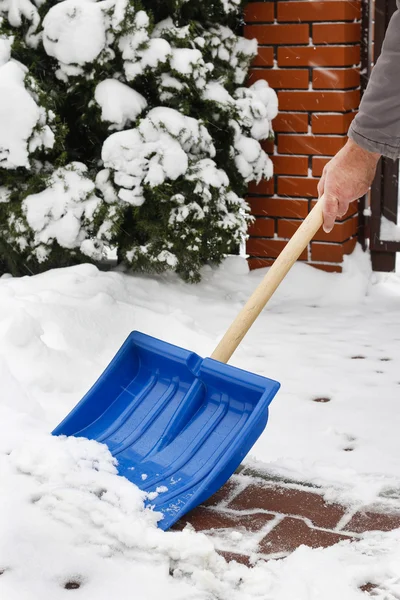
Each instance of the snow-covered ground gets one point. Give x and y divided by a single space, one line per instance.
66 516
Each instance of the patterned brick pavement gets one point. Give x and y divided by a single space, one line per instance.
255 517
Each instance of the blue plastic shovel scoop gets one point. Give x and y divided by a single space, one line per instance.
179 425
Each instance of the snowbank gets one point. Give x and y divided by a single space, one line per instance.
67 517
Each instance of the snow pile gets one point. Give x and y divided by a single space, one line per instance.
80 35
67 518
23 123
389 230
75 32
157 150
62 212
120 104
258 106
254 109
20 11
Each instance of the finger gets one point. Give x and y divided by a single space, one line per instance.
342 210
330 211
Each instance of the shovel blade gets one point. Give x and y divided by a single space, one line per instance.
178 425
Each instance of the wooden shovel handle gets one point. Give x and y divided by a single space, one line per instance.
269 284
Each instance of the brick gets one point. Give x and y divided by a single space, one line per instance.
318 56
290 165
327 268
338 79
328 10
325 252
349 246
264 58
336 33
289 534
318 163
352 210
291 122
278 207
310 144
223 494
287 501
303 187
262 228
281 78
270 248
323 123
259 263
319 101
373 521
345 228
278 34
266 186
204 519
287 227
341 231
233 556
259 12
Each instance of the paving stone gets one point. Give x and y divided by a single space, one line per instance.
223 493
204 518
290 533
240 558
274 479
373 521
368 587
290 502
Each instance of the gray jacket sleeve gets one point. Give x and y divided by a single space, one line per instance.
377 125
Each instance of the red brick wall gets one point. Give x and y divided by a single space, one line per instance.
309 52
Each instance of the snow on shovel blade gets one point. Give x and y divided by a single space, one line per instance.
178 425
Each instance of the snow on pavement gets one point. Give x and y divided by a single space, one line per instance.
66 515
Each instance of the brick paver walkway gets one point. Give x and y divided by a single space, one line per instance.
257 517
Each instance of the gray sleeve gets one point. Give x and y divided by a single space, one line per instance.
377 125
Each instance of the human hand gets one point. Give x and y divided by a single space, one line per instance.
345 178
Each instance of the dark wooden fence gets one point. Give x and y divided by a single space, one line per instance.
384 196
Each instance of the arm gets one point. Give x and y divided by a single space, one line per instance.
375 131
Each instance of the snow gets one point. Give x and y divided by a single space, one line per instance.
23 126
67 516
74 31
4 194
229 48
120 104
250 159
18 11
216 92
157 150
189 62
58 213
5 50
140 51
389 231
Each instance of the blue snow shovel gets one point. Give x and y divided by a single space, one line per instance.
179 425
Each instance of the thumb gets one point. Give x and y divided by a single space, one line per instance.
330 211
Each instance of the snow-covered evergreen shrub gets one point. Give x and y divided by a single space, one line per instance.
127 124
